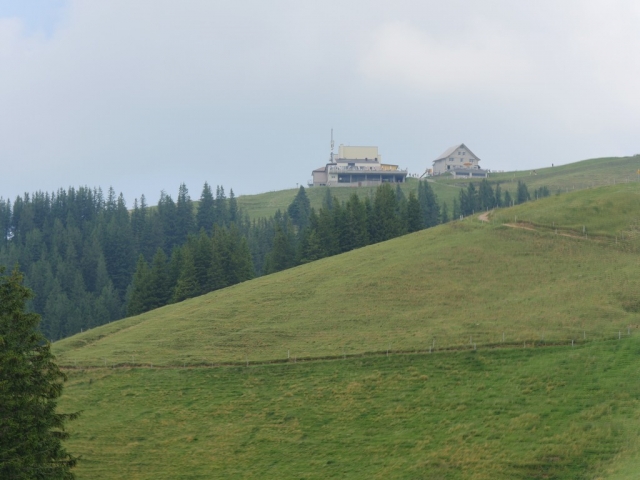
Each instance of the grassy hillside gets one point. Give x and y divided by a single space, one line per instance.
565 178
266 204
554 399
451 286
558 412
611 212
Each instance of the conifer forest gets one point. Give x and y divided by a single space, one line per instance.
91 259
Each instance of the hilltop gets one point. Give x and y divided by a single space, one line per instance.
564 178
444 284
493 349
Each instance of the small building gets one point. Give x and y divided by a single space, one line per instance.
459 161
357 167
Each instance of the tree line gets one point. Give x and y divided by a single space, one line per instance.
90 260
485 197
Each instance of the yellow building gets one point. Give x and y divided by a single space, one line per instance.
356 167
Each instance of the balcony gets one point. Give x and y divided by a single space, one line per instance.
365 170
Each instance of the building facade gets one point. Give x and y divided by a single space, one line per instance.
357 167
459 161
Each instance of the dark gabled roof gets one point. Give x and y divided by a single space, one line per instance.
321 169
447 153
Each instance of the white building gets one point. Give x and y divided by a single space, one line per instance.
459 161
357 167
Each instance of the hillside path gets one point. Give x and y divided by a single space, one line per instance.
484 217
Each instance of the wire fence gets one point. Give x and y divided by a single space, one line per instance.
335 346
509 339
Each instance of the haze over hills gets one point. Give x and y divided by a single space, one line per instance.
552 401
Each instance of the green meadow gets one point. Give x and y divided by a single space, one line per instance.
575 176
496 349
559 179
453 286
611 212
535 413
266 204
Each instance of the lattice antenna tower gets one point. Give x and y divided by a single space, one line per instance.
331 146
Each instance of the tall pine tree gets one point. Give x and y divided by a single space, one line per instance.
31 428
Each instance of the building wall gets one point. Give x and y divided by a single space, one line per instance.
457 159
358 152
319 178
362 178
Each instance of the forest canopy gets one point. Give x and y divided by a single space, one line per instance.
90 259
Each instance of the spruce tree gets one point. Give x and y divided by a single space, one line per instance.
282 256
486 197
159 290
428 205
187 286
498 199
327 201
168 220
30 384
508 201
206 216
234 212
385 222
309 248
299 209
221 207
326 232
201 248
522 193
240 263
414 214
139 292
185 219
456 209
217 273
358 220
444 215
5 220
473 202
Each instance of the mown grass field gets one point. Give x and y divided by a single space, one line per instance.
555 412
455 285
565 178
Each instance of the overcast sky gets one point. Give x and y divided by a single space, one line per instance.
142 95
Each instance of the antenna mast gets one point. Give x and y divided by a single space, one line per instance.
332 145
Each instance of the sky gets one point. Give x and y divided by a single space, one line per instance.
144 95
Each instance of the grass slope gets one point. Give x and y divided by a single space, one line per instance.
452 286
574 176
557 412
266 204
612 211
